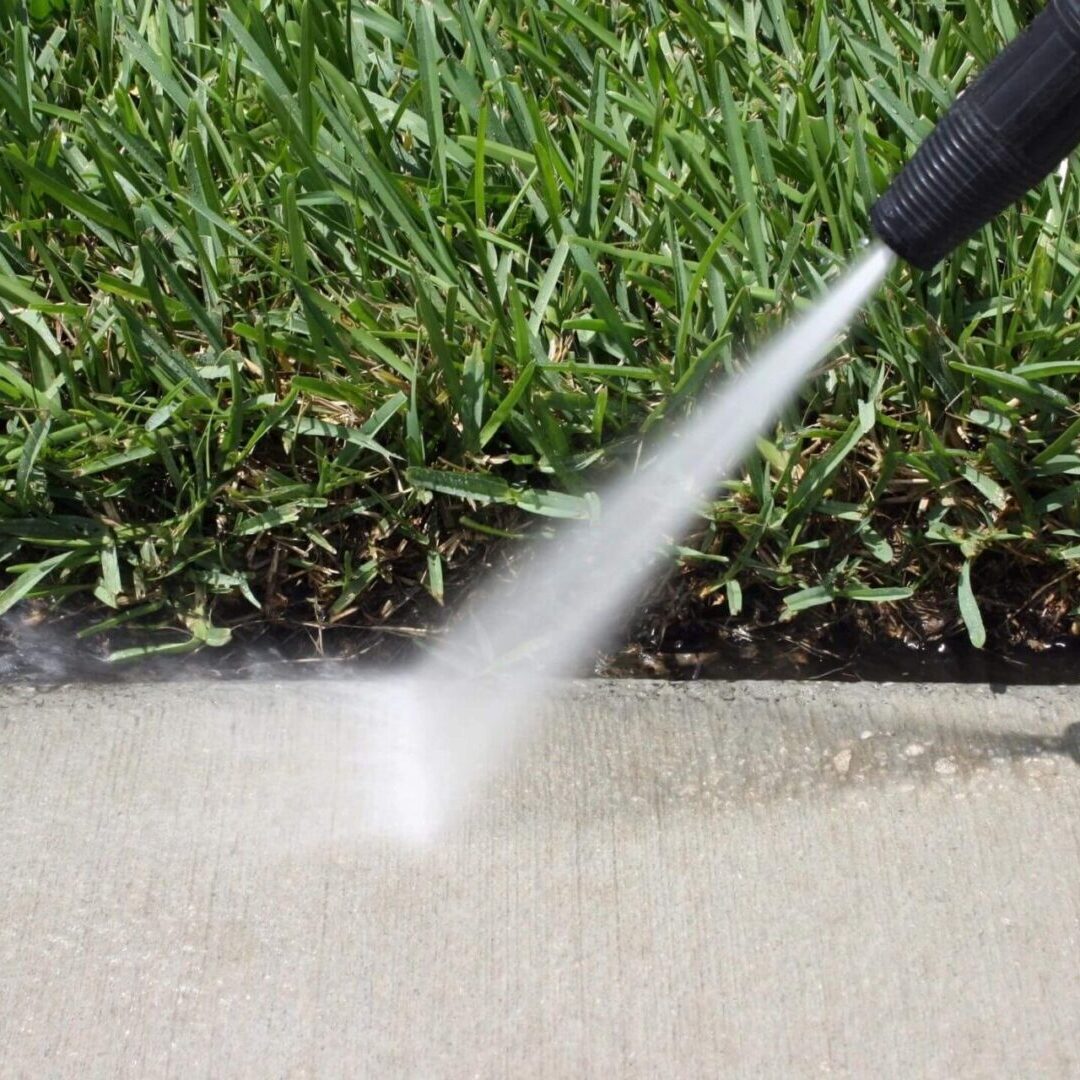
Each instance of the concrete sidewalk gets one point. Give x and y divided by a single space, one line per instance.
673 881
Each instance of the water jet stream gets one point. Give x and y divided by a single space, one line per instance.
450 724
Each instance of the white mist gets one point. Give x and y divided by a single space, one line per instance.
449 725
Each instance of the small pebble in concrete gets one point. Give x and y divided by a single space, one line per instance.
914 750
945 767
842 762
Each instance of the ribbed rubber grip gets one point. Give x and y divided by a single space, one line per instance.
1005 134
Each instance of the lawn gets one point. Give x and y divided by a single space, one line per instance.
304 305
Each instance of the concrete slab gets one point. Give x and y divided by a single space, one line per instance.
686 881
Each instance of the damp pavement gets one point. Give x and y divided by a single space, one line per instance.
691 880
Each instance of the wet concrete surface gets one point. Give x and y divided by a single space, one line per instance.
671 880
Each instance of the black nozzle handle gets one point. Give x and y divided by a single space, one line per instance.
1006 133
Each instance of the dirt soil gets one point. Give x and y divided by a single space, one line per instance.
38 645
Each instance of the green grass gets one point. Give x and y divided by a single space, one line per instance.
301 301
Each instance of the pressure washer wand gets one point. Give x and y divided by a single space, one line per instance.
1006 133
